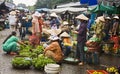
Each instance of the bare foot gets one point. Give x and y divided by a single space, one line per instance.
13 53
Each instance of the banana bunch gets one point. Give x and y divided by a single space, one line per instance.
112 69
96 72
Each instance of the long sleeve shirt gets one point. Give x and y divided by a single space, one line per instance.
82 32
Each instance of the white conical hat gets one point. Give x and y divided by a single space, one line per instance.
82 17
53 37
65 23
64 34
13 13
37 14
53 15
54 31
101 18
116 17
108 18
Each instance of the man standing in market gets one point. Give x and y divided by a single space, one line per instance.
81 38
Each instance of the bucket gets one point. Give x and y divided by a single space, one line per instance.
52 69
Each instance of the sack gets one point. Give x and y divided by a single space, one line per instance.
34 40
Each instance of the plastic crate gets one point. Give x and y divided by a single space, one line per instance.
91 71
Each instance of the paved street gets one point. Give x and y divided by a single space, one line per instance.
6 67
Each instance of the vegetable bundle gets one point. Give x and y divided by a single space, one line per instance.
41 61
21 62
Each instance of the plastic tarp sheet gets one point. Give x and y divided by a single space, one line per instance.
101 8
70 9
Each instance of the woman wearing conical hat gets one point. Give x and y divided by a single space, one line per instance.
81 38
53 50
99 27
115 29
67 43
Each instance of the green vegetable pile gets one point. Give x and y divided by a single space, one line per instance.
39 50
95 39
41 61
21 62
29 51
31 56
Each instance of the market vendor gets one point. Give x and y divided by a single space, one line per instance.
10 44
99 27
115 29
53 50
65 27
81 38
55 22
67 43
107 28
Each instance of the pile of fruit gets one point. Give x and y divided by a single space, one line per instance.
96 72
112 70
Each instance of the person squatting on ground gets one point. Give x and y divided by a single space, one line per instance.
67 43
53 50
10 44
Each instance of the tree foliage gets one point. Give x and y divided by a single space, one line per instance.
51 3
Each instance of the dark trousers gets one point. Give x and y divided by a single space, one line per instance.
80 53
67 50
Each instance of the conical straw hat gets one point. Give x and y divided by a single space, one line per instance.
13 13
53 15
64 34
82 17
108 18
65 23
116 17
37 14
53 37
101 18
54 31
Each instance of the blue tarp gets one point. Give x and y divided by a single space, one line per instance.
92 2
83 1
89 2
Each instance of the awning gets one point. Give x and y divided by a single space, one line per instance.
101 8
70 9
43 9
104 8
